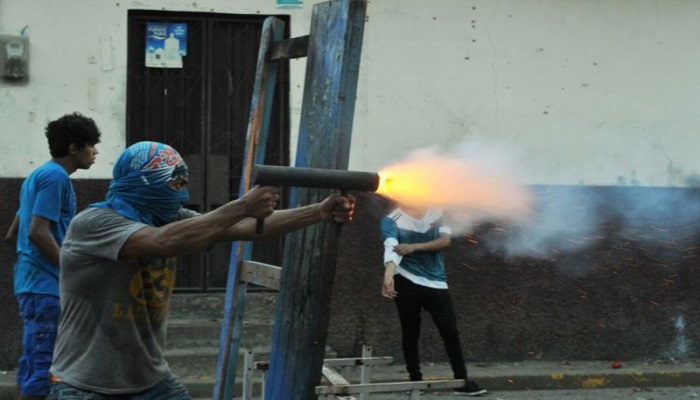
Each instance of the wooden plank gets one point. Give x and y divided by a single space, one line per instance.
340 362
358 362
330 87
336 379
365 371
310 255
387 387
291 48
261 274
248 361
333 376
262 365
256 138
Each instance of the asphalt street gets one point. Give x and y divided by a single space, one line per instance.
656 393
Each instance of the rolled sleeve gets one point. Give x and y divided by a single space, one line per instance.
445 230
389 253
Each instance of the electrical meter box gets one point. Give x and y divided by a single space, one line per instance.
14 57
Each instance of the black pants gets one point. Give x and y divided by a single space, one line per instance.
410 300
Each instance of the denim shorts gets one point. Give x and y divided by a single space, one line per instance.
167 389
39 313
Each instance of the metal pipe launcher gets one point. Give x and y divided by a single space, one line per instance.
273 175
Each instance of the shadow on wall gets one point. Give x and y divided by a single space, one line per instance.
596 273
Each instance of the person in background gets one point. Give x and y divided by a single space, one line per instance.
118 269
46 206
414 277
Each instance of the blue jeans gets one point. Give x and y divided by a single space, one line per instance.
167 389
39 313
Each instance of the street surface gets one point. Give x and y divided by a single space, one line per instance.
656 393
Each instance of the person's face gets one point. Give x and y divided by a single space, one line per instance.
85 157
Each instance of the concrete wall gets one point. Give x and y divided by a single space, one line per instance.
618 286
74 43
604 289
87 191
10 336
598 100
588 92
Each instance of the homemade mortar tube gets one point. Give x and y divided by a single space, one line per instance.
274 175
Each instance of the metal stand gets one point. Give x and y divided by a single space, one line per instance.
340 386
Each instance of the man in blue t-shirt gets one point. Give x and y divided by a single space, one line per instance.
414 276
46 206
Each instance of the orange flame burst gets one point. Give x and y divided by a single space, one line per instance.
450 182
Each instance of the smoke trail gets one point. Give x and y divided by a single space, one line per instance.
564 220
680 348
572 219
476 183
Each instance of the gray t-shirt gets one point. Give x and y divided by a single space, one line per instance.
111 335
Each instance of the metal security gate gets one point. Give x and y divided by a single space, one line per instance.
202 110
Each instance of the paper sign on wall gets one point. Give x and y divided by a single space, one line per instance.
166 44
290 3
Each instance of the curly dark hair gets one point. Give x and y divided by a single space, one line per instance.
71 128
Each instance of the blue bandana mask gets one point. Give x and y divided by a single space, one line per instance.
140 188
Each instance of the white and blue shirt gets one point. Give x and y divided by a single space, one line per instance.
425 268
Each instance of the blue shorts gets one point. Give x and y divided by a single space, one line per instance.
39 313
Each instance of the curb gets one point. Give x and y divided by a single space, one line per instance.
498 377
589 381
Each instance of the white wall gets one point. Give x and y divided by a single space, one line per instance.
66 55
588 91
599 92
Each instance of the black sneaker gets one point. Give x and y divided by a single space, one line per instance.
470 389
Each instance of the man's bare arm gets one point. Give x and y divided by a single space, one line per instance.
186 236
234 221
335 208
11 235
40 235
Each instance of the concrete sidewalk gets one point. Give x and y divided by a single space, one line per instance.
539 375
509 376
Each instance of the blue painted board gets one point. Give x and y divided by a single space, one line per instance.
308 267
256 138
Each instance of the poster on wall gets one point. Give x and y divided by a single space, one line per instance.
166 44
290 3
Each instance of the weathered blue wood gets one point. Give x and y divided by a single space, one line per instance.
308 267
256 139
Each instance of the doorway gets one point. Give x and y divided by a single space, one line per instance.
202 110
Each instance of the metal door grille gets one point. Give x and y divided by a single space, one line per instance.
202 110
